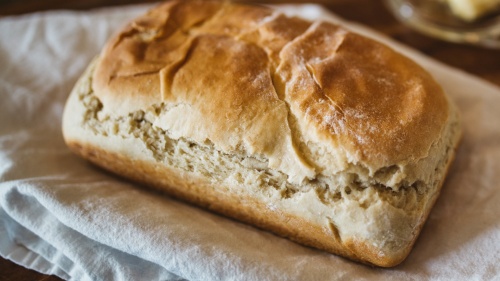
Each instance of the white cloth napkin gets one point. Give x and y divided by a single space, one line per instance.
60 215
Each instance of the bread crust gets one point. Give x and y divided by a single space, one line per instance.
317 82
319 135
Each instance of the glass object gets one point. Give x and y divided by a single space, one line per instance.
435 18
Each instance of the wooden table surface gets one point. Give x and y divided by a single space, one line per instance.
484 63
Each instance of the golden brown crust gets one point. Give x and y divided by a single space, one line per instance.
343 142
345 91
378 104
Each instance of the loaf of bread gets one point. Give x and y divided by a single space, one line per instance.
304 129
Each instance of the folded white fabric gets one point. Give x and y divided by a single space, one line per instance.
60 215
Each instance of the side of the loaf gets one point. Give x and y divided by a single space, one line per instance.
371 224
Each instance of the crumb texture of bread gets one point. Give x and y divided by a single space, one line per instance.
304 129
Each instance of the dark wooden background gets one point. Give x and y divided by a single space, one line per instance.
481 62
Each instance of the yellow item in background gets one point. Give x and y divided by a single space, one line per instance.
471 10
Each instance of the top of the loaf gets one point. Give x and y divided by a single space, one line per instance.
311 98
